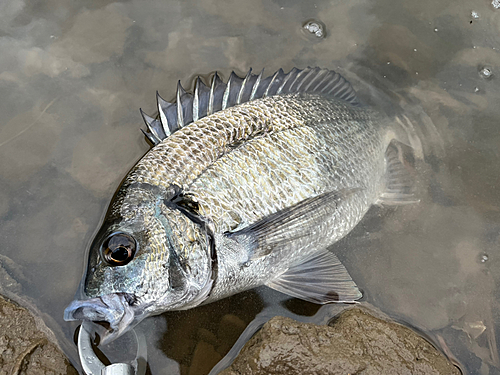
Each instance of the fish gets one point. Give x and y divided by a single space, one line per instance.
248 183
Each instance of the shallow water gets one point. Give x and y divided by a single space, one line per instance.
73 74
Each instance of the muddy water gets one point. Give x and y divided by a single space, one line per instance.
72 76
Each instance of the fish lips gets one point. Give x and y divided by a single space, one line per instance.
113 309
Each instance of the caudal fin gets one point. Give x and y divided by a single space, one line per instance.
399 176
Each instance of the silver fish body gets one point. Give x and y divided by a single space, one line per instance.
245 195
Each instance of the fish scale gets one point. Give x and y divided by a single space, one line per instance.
295 152
247 184
210 138
261 195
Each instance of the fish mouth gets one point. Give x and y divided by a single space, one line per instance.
111 310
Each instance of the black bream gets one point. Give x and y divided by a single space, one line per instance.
247 184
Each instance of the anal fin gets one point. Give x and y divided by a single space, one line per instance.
322 278
399 180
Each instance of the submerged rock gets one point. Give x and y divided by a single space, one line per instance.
356 342
24 349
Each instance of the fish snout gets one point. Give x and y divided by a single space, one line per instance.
113 309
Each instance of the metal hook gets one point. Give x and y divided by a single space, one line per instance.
93 366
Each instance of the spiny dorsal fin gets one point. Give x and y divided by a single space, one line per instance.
206 101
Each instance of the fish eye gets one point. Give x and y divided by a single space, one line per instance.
118 249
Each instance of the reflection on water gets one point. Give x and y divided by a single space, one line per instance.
72 77
197 339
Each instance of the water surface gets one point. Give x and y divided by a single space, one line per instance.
73 75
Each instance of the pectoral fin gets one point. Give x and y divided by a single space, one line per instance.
399 180
282 228
320 279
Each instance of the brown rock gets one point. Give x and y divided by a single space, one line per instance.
204 334
204 358
230 328
357 342
24 349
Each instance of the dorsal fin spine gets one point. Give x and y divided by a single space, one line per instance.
305 78
163 118
256 85
332 82
316 73
180 92
352 96
338 83
298 78
243 86
151 134
225 97
212 95
271 83
285 81
196 99
150 137
322 80
148 120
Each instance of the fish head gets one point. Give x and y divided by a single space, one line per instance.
148 257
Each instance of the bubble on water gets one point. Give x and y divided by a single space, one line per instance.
496 4
414 50
483 258
486 72
474 14
316 28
